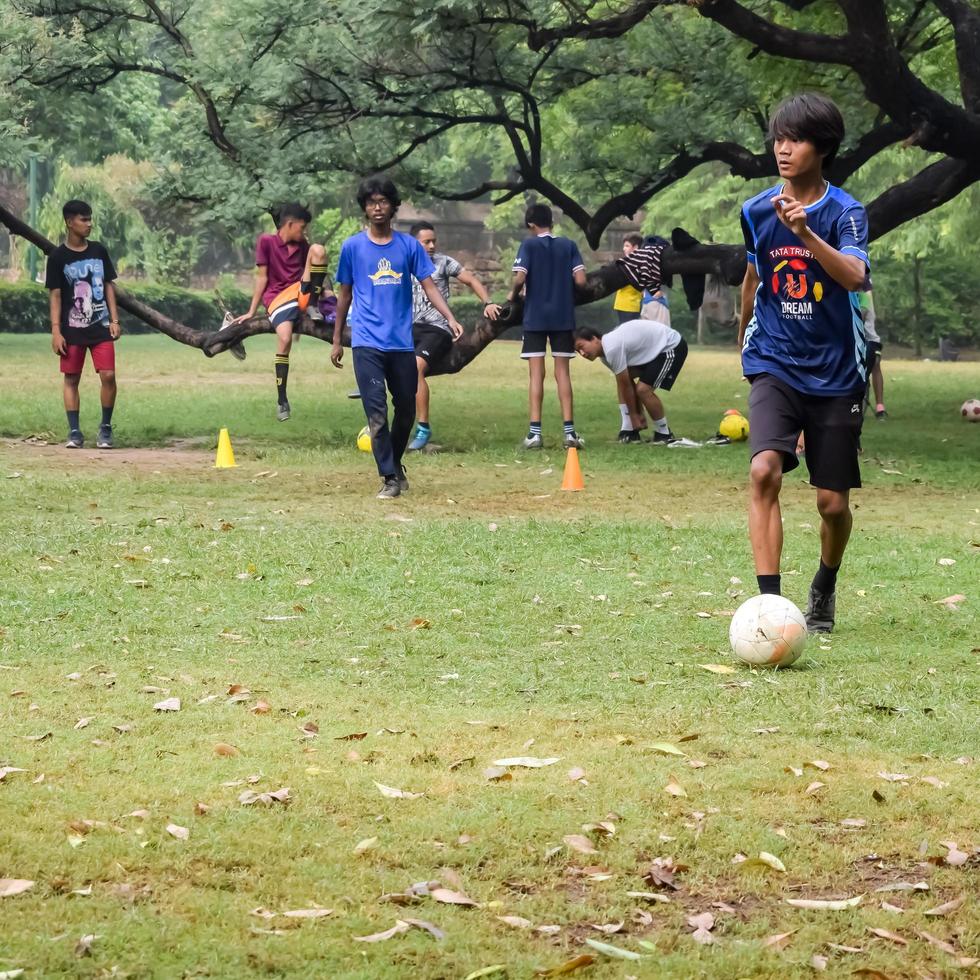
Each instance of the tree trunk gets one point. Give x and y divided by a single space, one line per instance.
917 305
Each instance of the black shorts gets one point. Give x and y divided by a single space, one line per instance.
873 354
662 371
562 343
432 343
831 426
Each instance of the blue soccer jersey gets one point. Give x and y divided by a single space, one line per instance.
549 262
806 328
381 277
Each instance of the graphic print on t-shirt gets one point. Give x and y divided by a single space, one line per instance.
385 275
87 280
793 281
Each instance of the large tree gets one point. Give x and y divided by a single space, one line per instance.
596 107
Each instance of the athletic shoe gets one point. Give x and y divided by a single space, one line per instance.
389 489
421 440
681 443
282 414
820 610
75 439
628 435
718 440
403 480
354 394
662 439
533 441
313 312
881 416
573 440
105 437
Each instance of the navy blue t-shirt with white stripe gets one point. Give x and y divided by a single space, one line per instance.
806 328
549 263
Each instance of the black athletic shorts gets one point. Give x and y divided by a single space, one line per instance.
662 371
831 427
873 354
562 343
432 343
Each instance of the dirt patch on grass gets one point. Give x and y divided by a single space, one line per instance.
166 459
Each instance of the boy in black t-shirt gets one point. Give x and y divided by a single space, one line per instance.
80 278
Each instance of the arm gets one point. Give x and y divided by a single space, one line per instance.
58 344
520 277
344 295
627 396
749 285
579 278
261 281
848 271
440 306
110 299
467 278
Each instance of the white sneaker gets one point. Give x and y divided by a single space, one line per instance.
533 441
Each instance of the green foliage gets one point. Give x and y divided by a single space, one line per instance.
24 306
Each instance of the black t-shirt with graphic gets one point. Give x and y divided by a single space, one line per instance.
82 278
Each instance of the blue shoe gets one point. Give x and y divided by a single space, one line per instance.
421 440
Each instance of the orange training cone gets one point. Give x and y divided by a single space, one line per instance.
225 456
573 472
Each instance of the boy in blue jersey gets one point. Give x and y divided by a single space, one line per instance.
548 268
803 344
374 275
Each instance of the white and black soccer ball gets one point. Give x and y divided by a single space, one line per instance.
970 410
768 631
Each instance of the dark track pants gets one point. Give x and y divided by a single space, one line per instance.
395 369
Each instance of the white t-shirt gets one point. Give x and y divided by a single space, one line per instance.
635 343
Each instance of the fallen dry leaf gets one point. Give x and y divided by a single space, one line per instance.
526 762
818 962
894 777
168 704
14 886
946 907
610 928
449 897
665 748
814 788
396 794
717 668
225 750
201 808
306 913
365 845
853 823
780 940
353 737
496 774
569 966
515 921
934 781
954 855
260 707
951 602
576 775
579 843
702 924
674 788
84 945
650 896
904 886
6 771
181 833
893 937
938 943
833 905
817 764
248 797
83 723
377 937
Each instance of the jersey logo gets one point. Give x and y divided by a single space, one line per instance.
385 276
791 282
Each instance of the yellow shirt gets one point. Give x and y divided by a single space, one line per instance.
628 300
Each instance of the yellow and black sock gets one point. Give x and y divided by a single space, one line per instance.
282 374
314 286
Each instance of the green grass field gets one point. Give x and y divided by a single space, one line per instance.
324 641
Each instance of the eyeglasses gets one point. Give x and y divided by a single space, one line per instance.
378 204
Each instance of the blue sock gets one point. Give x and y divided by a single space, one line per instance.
107 415
72 421
534 429
569 427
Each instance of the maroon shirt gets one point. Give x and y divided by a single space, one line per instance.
284 263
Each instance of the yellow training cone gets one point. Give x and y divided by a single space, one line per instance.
225 456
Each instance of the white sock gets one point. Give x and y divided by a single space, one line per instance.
661 426
627 423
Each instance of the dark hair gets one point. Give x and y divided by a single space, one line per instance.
809 116
76 209
540 215
421 226
633 239
587 333
378 184
291 212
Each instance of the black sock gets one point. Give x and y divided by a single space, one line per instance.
72 420
107 414
769 584
314 285
826 578
282 375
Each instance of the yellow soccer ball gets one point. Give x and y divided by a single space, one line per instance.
364 440
736 427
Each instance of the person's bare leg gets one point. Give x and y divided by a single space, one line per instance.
650 400
71 392
765 518
108 393
878 384
422 395
836 522
535 387
563 379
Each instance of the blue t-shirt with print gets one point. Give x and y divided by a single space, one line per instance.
806 328
549 263
381 276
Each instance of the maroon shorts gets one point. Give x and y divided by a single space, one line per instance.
103 357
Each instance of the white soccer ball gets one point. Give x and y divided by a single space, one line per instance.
970 410
768 631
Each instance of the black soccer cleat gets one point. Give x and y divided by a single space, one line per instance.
629 435
820 611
